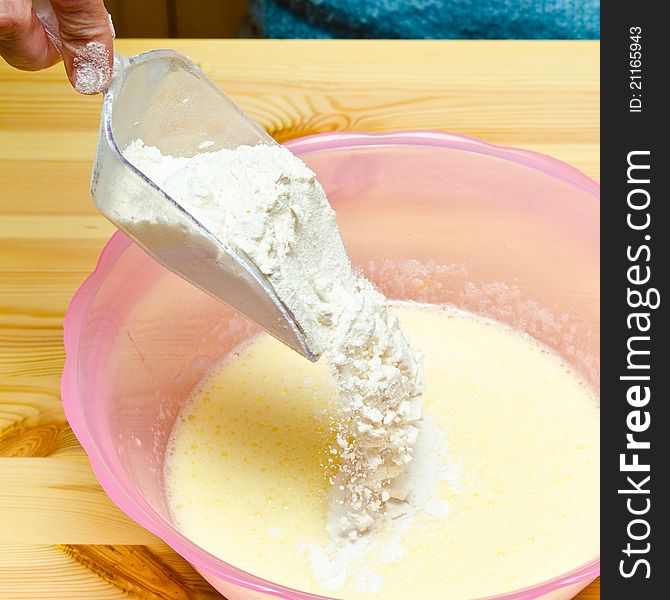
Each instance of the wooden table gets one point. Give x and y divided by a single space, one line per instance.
60 536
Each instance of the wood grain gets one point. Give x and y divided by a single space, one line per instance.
99 572
539 95
57 500
592 592
60 536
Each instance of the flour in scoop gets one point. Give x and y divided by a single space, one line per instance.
268 204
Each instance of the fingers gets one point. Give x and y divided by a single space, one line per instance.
24 43
86 38
85 44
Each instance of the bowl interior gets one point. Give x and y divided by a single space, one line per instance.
438 221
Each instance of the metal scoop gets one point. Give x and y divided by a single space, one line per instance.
164 99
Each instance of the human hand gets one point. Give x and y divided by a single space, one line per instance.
35 35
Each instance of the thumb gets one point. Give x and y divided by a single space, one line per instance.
86 43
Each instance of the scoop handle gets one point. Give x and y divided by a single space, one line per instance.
45 13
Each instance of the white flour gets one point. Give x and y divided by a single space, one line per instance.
91 68
264 201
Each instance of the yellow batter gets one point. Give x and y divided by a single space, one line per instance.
245 476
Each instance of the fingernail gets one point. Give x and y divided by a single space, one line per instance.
91 68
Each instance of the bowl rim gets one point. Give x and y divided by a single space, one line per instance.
131 502
442 139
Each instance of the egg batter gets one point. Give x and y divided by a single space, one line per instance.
248 472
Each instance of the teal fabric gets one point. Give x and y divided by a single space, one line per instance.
428 19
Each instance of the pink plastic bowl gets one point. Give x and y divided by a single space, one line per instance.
428 216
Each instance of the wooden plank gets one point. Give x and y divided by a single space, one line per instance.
592 592
57 500
56 227
519 93
100 572
36 572
46 187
